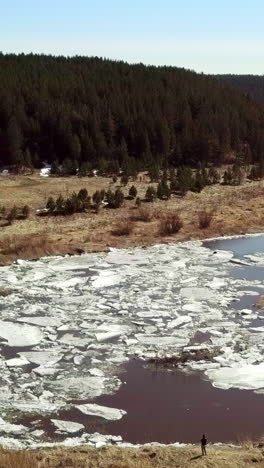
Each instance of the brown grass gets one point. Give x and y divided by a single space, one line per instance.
123 228
147 457
237 210
205 219
170 224
144 215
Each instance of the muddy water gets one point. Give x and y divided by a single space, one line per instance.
173 406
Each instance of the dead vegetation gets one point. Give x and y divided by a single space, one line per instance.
123 228
205 219
169 224
260 303
237 210
169 362
144 215
146 457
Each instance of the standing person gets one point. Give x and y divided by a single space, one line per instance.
203 444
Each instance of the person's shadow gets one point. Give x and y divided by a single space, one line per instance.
196 458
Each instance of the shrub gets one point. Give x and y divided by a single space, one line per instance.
12 215
132 192
151 194
205 218
138 202
83 195
51 205
97 198
115 199
170 224
25 211
60 204
3 211
143 214
124 179
124 228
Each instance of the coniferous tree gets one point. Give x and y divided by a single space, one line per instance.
132 192
51 205
151 194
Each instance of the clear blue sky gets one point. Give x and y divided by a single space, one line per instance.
215 36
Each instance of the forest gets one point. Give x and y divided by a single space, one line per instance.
251 85
81 113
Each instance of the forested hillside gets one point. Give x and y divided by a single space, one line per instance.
251 85
90 112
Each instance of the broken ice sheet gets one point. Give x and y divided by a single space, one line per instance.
112 414
67 426
79 318
20 335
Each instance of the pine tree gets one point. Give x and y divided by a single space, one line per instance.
151 194
12 215
51 205
55 168
60 204
25 211
132 192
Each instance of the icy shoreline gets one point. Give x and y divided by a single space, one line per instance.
76 319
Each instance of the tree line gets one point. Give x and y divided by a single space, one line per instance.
81 114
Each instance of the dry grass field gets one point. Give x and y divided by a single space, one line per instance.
235 210
148 457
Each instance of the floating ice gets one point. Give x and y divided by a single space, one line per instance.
42 358
85 315
67 426
179 321
14 429
85 387
17 362
112 414
20 335
248 377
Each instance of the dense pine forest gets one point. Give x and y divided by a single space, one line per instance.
85 113
252 85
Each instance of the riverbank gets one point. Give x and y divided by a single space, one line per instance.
235 210
145 457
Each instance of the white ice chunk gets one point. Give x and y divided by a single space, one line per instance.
161 340
20 335
17 362
112 414
42 358
67 426
107 279
8 428
248 377
96 372
179 321
44 321
198 294
87 387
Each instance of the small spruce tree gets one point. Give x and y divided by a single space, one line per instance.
132 192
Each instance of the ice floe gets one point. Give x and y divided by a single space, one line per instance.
67 426
248 377
20 335
112 414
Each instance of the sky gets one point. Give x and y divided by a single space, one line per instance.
210 36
